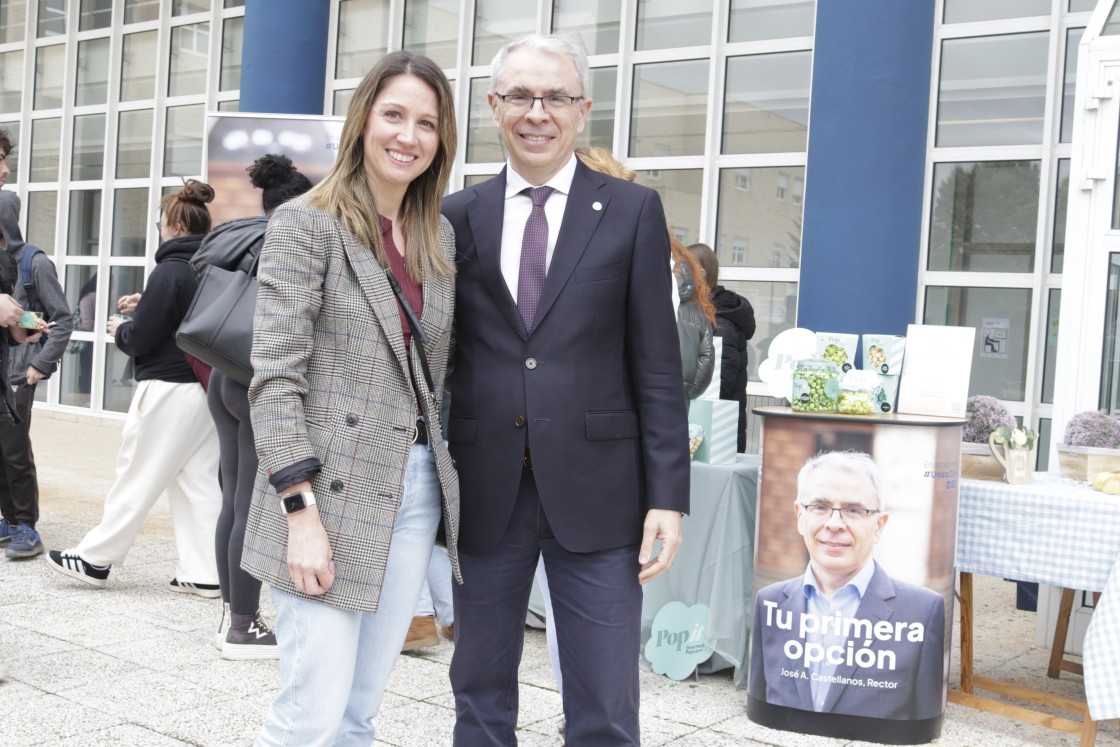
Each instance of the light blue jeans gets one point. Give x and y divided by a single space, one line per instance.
435 599
334 663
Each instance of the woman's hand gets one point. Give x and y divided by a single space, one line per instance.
309 553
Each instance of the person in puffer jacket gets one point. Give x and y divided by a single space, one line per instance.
695 322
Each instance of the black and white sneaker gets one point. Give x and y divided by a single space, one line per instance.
223 627
249 637
69 563
209 591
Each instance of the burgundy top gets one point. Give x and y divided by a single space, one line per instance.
409 287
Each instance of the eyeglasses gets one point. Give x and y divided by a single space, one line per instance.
551 102
822 512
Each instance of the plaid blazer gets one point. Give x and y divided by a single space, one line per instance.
330 381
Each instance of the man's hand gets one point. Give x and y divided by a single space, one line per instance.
665 526
33 375
309 553
114 322
22 334
127 304
10 311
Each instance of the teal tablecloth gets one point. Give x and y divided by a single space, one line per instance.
715 565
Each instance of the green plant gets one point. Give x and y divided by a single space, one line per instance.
1015 438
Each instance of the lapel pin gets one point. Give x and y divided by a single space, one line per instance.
596 206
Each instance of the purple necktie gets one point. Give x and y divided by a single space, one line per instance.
534 248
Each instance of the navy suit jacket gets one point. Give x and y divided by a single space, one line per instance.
593 390
915 689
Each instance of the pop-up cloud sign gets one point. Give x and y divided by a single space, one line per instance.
678 640
785 350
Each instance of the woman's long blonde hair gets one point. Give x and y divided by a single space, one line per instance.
346 193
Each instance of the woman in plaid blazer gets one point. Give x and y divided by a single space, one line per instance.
355 476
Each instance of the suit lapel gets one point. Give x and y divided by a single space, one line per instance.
873 607
381 299
581 218
486 214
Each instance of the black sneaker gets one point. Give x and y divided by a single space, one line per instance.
209 591
26 543
249 637
69 563
7 532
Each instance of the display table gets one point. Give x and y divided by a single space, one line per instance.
716 561
1053 531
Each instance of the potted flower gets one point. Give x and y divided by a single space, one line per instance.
1091 444
1014 449
985 415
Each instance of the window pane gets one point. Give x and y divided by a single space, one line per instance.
13 21
993 90
186 7
599 128
93 72
42 217
1050 359
775 311
234 4
662 25
1061 198
134 144
342 101
77 364
13 158
1042 452
963 11
593 23
85 223
1080 5
11 81
136 11
670 108
89 147
680 191
767 105
755 20
1110 361
759 222
52 18
483 143
190 46
230 105
49 73
985 216
1000 371
130 222
1069 83
497 22
95 14
119 381
431 28
138 75
232 31
75 374
182 151
45 137
362 36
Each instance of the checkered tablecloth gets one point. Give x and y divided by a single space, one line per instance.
1056 532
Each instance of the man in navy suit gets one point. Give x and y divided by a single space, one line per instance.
567 424
845 637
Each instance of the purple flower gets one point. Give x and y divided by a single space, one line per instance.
1092 428
985 414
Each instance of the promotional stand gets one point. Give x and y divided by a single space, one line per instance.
854 551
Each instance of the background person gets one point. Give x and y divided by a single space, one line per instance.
19 480
567 421
735 324
242 632
841 514
347 426
168 442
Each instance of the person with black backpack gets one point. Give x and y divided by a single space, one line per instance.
36 289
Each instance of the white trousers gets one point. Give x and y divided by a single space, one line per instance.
168 444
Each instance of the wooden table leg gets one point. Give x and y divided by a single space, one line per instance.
966 632
1061 630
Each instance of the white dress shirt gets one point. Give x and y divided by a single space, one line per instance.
517 209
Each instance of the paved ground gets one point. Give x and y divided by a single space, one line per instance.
134 664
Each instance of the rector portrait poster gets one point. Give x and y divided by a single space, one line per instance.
854 549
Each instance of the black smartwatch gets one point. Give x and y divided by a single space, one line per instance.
296 502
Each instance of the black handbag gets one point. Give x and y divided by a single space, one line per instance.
218 327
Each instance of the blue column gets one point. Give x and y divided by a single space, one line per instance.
284 57
866 164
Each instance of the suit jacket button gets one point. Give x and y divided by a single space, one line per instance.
337 485
530 363
519 421
351 419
